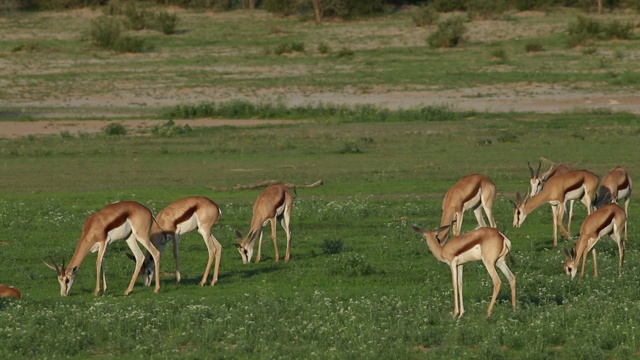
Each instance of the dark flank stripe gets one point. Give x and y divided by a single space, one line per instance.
606 222
185 216
116 222
472 194
574 186
468 246
624 184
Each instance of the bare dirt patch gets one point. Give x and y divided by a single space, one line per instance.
14 129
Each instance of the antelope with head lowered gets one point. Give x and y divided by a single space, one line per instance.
573 185
486 244
9 291
607 220
126 219
616 185
475 192
274 203
178 218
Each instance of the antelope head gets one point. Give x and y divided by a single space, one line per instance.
518 210
535 181
570 266
65 276
245 246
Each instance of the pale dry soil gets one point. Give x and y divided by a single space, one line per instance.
53 106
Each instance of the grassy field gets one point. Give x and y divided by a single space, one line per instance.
360 283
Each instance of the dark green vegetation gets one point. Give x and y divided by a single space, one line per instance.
360 283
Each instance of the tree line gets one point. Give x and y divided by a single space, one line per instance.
321 9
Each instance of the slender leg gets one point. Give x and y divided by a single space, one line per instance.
207 237
101 249
460 300
176 255
259 245
458 228
496 284
502 265
218 255
284 222
478 213
454 280
275 241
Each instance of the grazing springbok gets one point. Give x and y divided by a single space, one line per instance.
607 220
274 203
573 185
178 218
616 185
486 244
475 192
126 219
9 291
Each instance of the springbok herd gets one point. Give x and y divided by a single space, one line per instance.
558 186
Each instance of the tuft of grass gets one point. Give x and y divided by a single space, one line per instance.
450 33
426 15
115 129
533 47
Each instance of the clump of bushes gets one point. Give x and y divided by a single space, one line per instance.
288 48
586 30
107 33
115 129
170 129
449 34
425 16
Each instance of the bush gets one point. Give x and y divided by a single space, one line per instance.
105 32
165 22
332 246
426 15
449 34
533 47
619 30
115 129
323 48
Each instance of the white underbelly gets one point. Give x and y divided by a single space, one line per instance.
187 225
574 194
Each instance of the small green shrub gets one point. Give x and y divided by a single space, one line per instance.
115 129
323 48
332 246
137 17
425 16
350 265
129 44
619 30
487 9
349 146
449 34
105 32
345 52
499 56
165 22
533 47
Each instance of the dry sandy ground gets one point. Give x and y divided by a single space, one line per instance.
14 129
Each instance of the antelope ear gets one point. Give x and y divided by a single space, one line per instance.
417 229
566 253
53 267
238 235
74 270
238 246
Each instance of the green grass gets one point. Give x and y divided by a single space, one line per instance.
360 283
381 294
